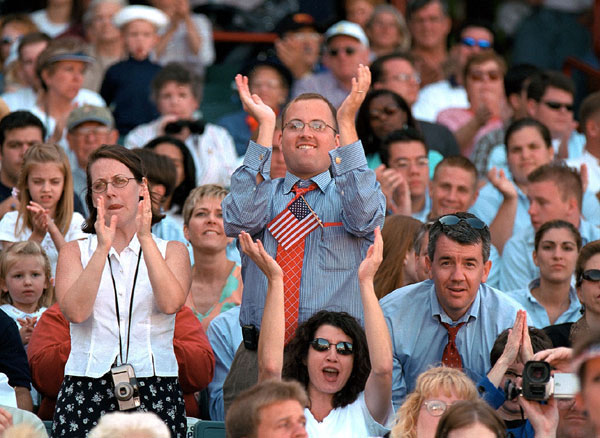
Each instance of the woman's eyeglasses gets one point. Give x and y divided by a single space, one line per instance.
321 345
436 408
591 275
118 181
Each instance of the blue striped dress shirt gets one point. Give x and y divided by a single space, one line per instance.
348 201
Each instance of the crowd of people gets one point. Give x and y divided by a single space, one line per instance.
396 226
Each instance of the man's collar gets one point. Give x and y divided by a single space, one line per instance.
322 180
438 311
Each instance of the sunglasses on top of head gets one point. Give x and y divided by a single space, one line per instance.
591 275
450 220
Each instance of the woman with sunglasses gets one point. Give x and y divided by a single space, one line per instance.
347 372
436 390
483 78
382 113
587 283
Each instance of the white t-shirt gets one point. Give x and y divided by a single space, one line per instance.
353 420
7 233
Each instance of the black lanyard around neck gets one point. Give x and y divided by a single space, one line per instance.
137 267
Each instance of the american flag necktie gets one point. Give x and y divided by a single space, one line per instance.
451 357
290 228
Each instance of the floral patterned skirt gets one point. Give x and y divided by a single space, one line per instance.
83 400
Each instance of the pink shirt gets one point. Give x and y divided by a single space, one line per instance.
455 118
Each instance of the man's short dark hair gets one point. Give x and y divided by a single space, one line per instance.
516 76
567 179
540 82
178 73
539 341
377 65
19 119
311 96
460 162
589 108
404 135
416 5
418 239
243 417
461 233
477 22
528 122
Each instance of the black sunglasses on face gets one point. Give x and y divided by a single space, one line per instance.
349 51
321 345
558 105
591 275
451 220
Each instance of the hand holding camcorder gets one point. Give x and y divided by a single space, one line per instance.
540 384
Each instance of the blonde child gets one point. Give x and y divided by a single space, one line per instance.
26 285
45 212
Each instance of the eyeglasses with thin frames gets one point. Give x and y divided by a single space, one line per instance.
296 125
118 182
406 77
436 408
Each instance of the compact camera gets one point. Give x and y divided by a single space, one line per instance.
539 383
126 387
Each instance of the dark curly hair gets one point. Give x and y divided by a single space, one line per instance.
370 139
295 368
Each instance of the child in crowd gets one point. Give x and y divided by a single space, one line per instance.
26 284
45 213
126 85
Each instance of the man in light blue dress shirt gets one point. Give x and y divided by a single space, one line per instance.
225 336
458 257
555 192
